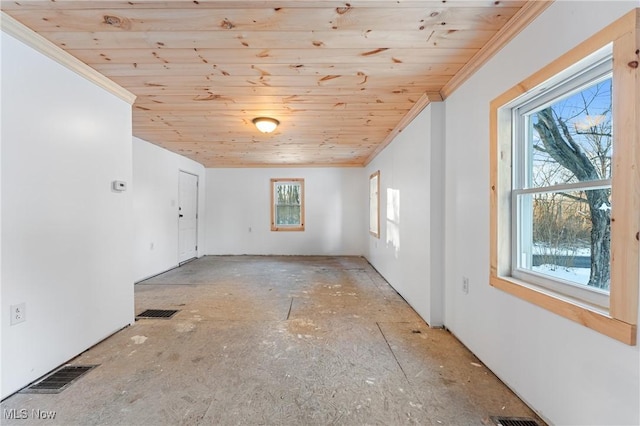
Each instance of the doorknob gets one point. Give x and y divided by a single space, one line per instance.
180 215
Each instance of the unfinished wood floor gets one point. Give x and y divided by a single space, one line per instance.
277 340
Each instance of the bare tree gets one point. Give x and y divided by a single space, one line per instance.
559 143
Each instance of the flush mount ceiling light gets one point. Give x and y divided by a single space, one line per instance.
266 124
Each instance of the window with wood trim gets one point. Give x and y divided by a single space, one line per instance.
374 204
565 187
287 204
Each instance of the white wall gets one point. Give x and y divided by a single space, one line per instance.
335 212
409 253
155 207
570 374
66 236
2 305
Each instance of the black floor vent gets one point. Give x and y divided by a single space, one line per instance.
59 380
158 313
514 421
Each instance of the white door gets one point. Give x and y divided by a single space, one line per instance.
187 217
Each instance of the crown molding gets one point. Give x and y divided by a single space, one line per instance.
513 27
416 109
527 13
16 29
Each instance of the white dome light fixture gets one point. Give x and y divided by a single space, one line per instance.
266 124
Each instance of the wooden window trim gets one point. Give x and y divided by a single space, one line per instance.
620 322
375 175
274 227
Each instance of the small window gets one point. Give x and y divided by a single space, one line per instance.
287 204
565 187
374 204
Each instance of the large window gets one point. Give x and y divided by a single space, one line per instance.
562 147
565 185
287 204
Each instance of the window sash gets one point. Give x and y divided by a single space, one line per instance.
285 184
282 212
279 219
570 82
591 75
599 70
592 295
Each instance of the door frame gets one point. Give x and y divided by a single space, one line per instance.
197 176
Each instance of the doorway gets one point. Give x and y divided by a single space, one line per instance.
187 217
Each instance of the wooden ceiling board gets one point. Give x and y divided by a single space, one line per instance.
257 57
243 4
327 111
243 130
358 39
228 4
176 107
270 96
250 70
168 21
325 81
342 77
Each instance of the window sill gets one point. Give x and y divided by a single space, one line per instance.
591 317
287 228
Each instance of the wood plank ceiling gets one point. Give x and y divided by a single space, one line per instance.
342 78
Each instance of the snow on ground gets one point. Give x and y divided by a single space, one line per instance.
540 248
576 275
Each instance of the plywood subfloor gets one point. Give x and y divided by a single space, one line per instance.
277 340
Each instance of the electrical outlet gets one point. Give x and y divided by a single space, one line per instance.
18 314
465 285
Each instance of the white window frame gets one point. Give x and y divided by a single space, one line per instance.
288 181
619 319
595 68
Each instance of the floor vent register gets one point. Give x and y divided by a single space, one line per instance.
514 421
157 313
59 380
